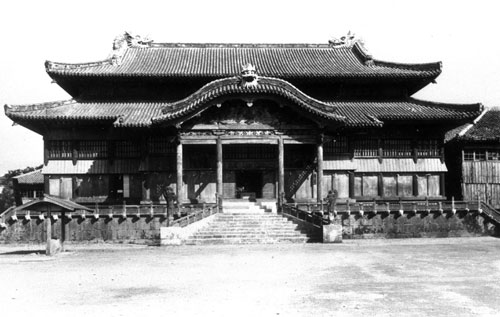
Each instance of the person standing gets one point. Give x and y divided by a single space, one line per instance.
331 200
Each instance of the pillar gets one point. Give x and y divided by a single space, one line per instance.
220 190
48 224
281 168
180 193
320 172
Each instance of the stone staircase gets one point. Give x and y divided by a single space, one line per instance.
250 223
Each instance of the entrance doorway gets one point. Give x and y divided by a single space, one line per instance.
249 183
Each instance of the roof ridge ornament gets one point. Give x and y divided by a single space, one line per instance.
344 41
124 41
248 75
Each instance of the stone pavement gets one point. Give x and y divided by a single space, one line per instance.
411 277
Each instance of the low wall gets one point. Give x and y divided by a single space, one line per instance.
146 230
416 226
143 230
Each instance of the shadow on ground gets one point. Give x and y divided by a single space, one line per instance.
24 252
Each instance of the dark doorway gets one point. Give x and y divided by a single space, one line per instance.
249 182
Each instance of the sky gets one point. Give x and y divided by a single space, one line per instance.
463 35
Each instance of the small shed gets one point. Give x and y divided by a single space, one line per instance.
52 206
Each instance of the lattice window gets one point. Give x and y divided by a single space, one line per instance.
60 149
468 155
397 148
493 155
428 148
365 147
127 148
339 145
161 145
93 149
480 155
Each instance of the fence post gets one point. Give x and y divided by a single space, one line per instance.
453 209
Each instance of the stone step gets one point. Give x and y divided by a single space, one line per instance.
246 236
256 232
250 227
249 241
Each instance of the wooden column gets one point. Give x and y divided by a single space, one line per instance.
48 224
180 194
220 189
63 229
281 168
320 172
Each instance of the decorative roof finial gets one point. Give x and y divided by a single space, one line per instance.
346 40
125 40
249 75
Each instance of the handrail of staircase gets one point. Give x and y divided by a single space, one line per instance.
489 211
192 217
309 217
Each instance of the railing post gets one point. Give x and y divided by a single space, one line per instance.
401 210
348 208
453 209
361 209
124 210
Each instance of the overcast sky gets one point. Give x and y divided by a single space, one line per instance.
462 34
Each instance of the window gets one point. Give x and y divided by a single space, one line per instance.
428 185
60 150
366 186
339 145
126 148
397 148
366 147
93 149
428 148
161 146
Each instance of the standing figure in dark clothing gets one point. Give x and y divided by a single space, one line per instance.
331 200
171 198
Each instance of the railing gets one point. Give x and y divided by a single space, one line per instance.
194 216
310 217
183 212
397 207
490 212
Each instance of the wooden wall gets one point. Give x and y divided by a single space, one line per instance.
481 179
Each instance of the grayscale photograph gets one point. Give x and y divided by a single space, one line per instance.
266 158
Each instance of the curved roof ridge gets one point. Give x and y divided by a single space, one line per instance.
233 85
451 106
37 106
437 66
50 65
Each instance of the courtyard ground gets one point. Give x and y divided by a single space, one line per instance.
412 277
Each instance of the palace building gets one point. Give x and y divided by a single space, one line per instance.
278 122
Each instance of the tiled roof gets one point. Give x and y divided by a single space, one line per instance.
57 204
364 113
140 114
487 128
236 85
286 61
126 114
35 177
